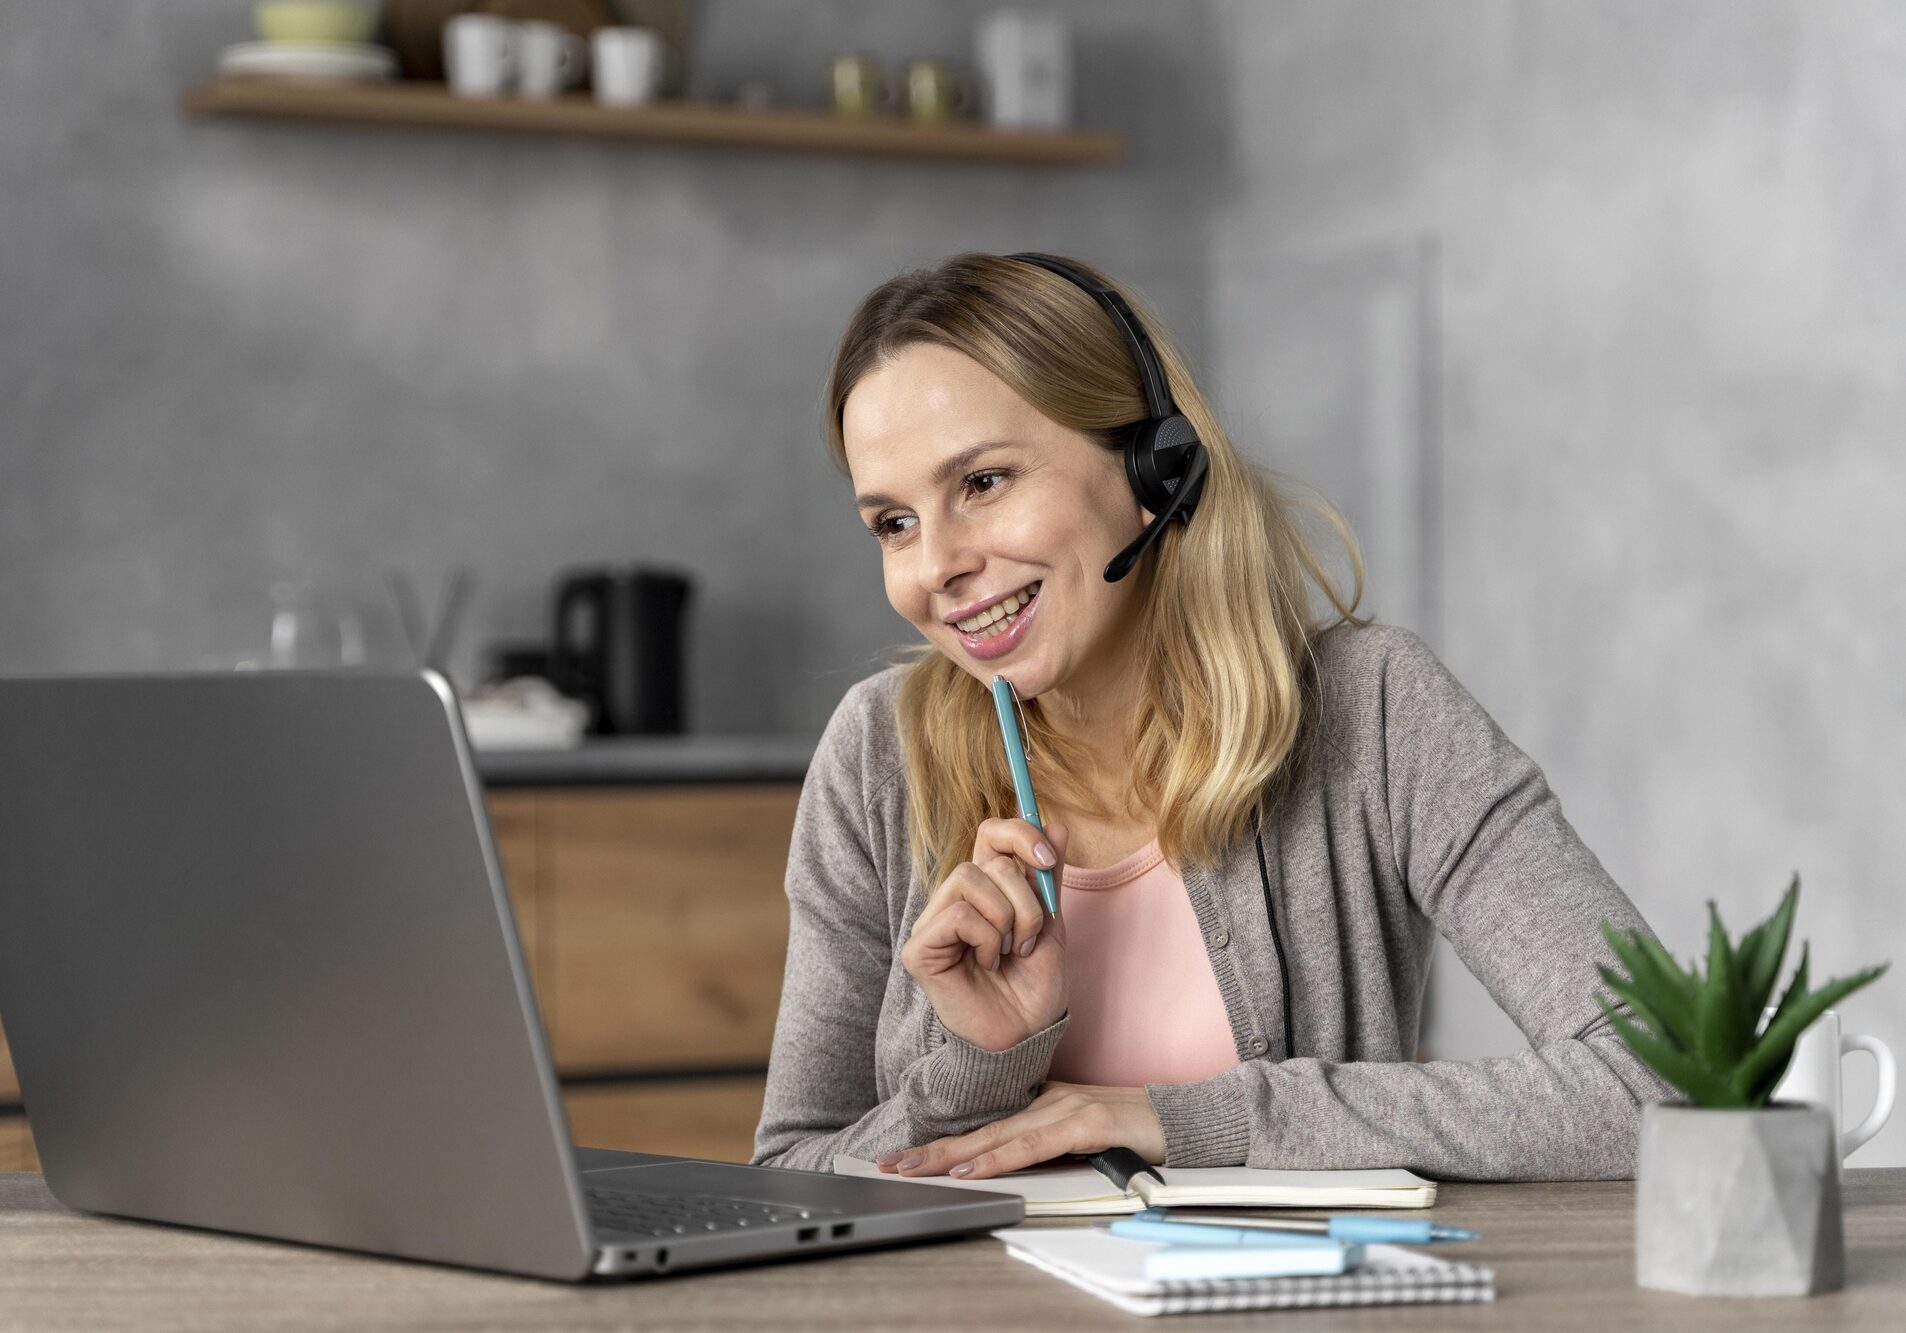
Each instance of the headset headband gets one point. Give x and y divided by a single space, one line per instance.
1151 375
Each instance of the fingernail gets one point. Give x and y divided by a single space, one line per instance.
1025 950
888 1158
1044 854
963 1169
1007 947
909 1163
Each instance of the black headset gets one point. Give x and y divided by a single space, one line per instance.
1165 463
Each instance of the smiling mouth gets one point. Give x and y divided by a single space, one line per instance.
994 628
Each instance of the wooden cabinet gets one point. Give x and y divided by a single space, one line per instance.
16 1145
9 1082
710 1117
655 928
663 926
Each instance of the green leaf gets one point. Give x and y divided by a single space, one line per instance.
1764 946
1721 1035
1702 1086
1682 978
1797 1011
1667 990
1625 991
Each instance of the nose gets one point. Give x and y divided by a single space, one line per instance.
948 550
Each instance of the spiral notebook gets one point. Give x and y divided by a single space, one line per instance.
1113 1269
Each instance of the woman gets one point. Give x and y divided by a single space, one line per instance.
1258 819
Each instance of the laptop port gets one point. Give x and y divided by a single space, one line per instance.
661 1259
841 1230
808 1233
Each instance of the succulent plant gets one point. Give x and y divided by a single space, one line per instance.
1702 1032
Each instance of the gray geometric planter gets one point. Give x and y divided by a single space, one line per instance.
1738 1203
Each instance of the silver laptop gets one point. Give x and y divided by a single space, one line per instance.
259 974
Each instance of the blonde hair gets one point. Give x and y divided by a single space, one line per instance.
1224 601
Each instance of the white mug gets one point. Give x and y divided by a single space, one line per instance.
1025 64
1814 1076
480 52
628 65
549 58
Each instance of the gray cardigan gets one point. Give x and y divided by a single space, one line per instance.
1417 815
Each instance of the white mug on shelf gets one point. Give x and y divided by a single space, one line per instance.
480 54
1815 1076
1025 64
549 58
628 65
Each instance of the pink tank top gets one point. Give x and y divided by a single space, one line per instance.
1144 1001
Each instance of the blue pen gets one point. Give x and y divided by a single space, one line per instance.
1006 704
1202 1229
1212 1237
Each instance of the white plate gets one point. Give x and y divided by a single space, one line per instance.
357 61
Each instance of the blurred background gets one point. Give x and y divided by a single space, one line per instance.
1591 317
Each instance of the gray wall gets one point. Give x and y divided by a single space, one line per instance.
1672 411
1617 290
238 353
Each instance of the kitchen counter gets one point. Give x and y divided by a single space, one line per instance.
653 760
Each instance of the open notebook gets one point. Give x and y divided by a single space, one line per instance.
1072 1190
1114 1270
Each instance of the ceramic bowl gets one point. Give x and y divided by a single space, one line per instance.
315 20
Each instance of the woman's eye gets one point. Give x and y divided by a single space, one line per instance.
887 529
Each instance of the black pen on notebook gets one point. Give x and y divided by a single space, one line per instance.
1127 1170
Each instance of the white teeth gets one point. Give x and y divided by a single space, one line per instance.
998 613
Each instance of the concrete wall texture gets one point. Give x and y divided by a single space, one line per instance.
239 353
1672 347
1653 388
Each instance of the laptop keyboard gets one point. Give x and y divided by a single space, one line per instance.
692 1215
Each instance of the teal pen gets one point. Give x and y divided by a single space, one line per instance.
1006 704
1187 1233
1205 1230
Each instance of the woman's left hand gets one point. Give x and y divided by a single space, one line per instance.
1066 1118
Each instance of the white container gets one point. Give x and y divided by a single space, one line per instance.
1815 1076
479 52
1025 67
628 65
549 58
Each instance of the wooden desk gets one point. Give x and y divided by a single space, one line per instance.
1563 1255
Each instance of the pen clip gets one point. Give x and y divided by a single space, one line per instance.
1127 1170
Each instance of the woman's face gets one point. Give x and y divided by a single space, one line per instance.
976 497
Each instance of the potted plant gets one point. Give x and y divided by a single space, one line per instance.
1733 1196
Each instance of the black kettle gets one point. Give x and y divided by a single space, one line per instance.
619 647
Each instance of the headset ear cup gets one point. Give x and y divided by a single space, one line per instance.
1156 455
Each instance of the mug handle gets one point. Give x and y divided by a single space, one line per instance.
1882 1054
573 60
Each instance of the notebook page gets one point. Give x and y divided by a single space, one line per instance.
1070 1190
1253 1187
1046 1189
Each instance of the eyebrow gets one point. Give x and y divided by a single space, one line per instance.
941 474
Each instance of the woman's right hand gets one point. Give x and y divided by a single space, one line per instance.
958 951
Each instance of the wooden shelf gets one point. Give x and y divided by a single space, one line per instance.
696 124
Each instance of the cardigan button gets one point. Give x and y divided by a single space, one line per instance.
1258 1046
1218 938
